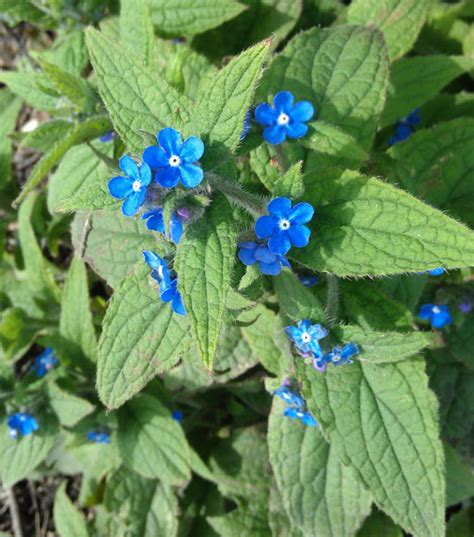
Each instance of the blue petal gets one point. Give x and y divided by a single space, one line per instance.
263 254
177 304
426 311
283 101
133 202
302 112
129 167
170 140
301 213
167 177
280 207
153 260
275 134
402 132
247 255
296 130
279 243
299 235
145 174
265 226
176 228
155 220
293 333
192 150
155 157
436 271
304 325
191 175
265 114
270 269
120 187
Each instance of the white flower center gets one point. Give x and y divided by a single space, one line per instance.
305 337
174 161
284 224
136 186
436 309
336 357
283 119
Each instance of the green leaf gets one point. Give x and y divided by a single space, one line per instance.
136 29
204 262
367 227
111 243
75 323
68 52
251 520
141 337
321 495
68 520
296 300
459 478
225 97
17 333
27 85
379 524
9 109
315 66
406 289
413 81
152 443
382 421
136 98
400 21
87 130
190 17
437 165
278 520
47 134
290 184
69 408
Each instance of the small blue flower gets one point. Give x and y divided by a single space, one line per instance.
270 264
284 118
21 423
341 355
436 271
177 415
155 222
308 280
175 161
107 137
402 132
306 336
99 437
304 416
412 119
44 362
465 306
438 316
284 226
132 187
289 397
168 286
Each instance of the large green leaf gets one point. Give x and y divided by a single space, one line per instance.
136 29
68 520
363 226
27 85
382 421
204 262
399 20
321 495
136 98
251 520
152 443
343 71
69 408
141 337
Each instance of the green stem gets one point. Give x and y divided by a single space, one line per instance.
332 300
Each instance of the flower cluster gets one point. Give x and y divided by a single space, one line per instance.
21 423
305 337
281 229
44 362
404 126
295 406
438 316
99 437
168 285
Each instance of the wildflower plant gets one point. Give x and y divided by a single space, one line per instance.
224 196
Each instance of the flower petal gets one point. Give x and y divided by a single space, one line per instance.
265 114
177 304
247 255
302 112
170 140
176 228
275 134
120 187
280 207
145 174
155 220
133 202
270 269
296 130
192 149
301 213
155 157
129 167
191 175
426 311
262 253
265 226
299 235
293 333
279 243
167 177
153 260
283 101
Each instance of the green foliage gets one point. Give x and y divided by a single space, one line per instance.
68 520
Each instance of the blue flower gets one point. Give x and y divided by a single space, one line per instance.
168 286
177 415
289 397
175 161
304 416
284 226
436 271
99 437
107 137
44 362
306 336
308 280
132 187
270 264
155 222
412 119
438 316
465 306
341 355
402 132
21 423
284 118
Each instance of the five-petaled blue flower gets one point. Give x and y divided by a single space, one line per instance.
133 186
21 423
306 336
338 356
302 415
438 316
270 264
284 226
308 280
99 437
175 161
403 128
155 222
284 118
168 286
44 362
289 397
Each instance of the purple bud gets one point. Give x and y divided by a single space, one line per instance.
465 306
318 365
184 213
